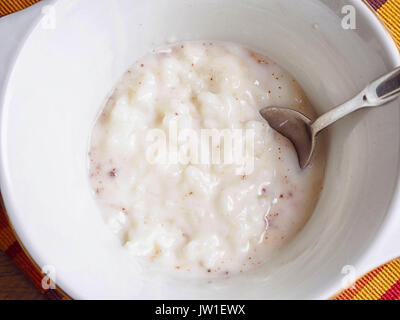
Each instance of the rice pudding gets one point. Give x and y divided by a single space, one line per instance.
204 217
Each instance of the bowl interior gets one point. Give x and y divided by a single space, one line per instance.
63 75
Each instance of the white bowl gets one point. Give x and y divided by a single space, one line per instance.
54 82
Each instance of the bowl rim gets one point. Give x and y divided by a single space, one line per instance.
382 33
4 202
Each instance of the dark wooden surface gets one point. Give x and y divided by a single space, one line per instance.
14 284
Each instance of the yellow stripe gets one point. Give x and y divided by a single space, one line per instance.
390 14
381 283
349 294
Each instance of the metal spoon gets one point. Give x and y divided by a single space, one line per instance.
302 132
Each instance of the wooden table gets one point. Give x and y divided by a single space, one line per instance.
14 284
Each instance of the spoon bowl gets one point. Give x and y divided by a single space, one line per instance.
302 132
296 127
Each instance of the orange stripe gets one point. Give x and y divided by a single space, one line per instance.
350 293
373 285
23 262
10 6
381 283
7 237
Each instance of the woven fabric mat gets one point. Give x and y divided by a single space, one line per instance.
381 283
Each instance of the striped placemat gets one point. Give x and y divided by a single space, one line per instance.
382 283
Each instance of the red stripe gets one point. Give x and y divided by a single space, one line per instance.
393 293
13 250
3 219
53 294
376 4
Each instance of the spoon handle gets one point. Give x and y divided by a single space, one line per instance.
379 92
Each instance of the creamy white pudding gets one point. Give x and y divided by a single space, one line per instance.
202 217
